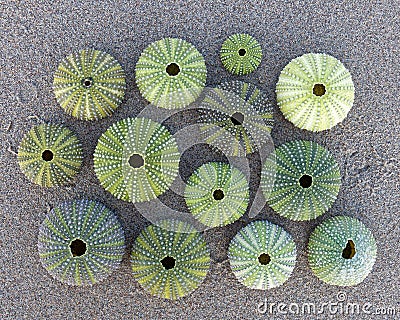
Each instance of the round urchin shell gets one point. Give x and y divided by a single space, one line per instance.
236 117
81 242
217 194
50 155
315 91
241 54
305 178
262 255
342 251
171 73
170 264
89 84
136 159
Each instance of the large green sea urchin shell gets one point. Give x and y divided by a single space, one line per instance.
262 255
81 242
171 73
342 251
170 264
305 177
217 194
136 159
50 155
315 92
241 54
89 84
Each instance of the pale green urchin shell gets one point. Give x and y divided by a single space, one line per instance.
50 155
217 194
342 251
171 73
89 84
305 177
81 242
241 54
170 264
136 159
315 91
262 255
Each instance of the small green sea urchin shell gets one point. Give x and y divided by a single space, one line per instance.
241 54
81 242
305 177
89 84
315 92
262 255
342 251
171 73
50 155
217 194
170 264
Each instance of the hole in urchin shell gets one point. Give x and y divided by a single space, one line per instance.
168 262
47 155
264 259
350 250
87 82
173 69
136 161
319 89
237 118
78 248
218 194
242 52
305 181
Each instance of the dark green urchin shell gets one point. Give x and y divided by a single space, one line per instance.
305 177
315 92
136 159
241 54
170 264
171 73
262 255
342 251
50 155
217 194
81 242
237 117
89 85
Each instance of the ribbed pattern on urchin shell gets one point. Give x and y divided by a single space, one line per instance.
325 251
284 169
184 245
237 61
262 238
295 92
65 155
104 89
211 177
144 137
90 222
219 117
168 90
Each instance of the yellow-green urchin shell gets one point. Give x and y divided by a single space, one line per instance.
170 264
81 242
305 177
136 159
315 91
171 73
342 251
241 54
217 194
262 255
50 155
89 84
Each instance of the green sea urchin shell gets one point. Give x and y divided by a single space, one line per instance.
305 177
217 194
81 242
50 155
171 73
136 159
262 255
315 91
342 251
241 54
89 85
170 264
